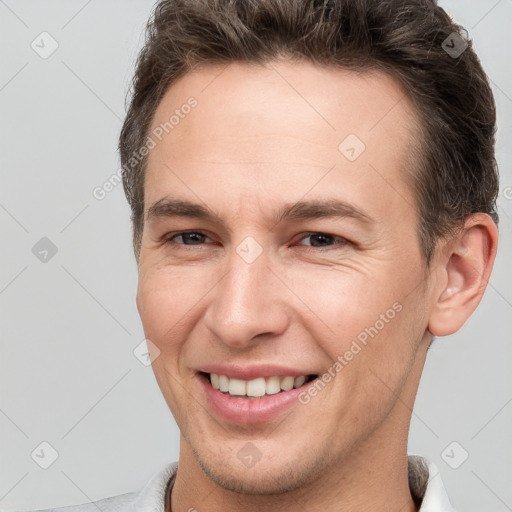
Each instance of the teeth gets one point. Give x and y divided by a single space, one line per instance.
215 380
256 387
223 383
273 385
287 383
297 383
237 387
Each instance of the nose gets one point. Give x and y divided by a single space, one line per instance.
247 303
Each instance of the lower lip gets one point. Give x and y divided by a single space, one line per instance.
245 411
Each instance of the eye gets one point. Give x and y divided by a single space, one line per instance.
319 240
313 240
187 238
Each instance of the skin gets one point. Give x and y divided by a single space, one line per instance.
262 137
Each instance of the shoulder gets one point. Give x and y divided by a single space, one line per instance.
151 498
113 504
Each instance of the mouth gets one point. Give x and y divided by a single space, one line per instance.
252 395
258 388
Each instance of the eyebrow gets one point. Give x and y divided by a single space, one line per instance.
166 207
302 210
316 209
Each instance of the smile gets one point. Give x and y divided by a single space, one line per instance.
258 387
252 401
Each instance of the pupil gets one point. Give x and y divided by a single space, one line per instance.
321 238
193 237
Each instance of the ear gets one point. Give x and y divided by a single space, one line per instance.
465 265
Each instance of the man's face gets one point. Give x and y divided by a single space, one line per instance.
309 253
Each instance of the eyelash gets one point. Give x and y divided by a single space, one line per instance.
170 239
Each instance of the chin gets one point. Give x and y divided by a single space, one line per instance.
264 478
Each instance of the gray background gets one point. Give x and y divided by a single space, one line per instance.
69 324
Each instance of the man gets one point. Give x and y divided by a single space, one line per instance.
313 191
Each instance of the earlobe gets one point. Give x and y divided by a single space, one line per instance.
466 267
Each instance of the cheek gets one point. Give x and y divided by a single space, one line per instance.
167 304
384 365
342 305
370 324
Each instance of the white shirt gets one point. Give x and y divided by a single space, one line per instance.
422 475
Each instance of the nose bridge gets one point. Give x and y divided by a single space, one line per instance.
245 304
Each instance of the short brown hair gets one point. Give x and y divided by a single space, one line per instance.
456 172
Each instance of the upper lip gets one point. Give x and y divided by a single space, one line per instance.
250 372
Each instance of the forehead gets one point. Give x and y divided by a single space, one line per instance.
278 128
